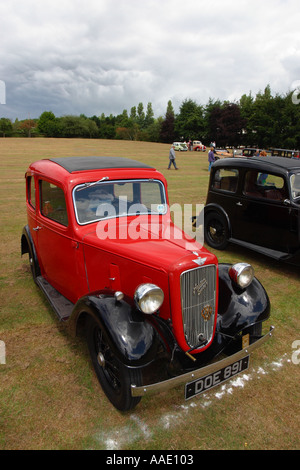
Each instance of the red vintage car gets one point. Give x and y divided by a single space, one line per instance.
198 146
155 305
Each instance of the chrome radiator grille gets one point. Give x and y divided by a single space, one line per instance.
198 301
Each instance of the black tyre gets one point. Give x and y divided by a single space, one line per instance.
216 233
115 379
33 263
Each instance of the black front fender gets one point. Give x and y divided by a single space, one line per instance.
131 337
239 309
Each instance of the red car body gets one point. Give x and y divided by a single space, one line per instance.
93 269
198 146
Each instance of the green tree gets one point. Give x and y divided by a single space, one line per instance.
140 116
107 127
78 126
266 119
49 125
189 122
211 111
133 114
209 120
246 110
149 119
167 131
122 120
154 129
6 126
290 121
231 125
91 128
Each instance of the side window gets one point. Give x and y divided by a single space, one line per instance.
264 185
31 191
295 185
53 204
225 179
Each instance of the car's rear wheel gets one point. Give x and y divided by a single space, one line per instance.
216 233
114 377
33 263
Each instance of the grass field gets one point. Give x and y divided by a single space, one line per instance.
49 395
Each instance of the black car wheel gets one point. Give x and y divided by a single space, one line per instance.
114 377
34 267
216 230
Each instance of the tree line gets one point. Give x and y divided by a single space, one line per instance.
264 120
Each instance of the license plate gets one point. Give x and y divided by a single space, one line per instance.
216 378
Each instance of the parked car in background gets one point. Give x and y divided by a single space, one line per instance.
180 146
284 153
155 305
255 202
250 152
198 146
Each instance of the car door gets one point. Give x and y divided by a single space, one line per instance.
31 207
224 190
60 256
263 216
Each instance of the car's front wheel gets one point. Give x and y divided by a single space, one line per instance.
216 232
114 377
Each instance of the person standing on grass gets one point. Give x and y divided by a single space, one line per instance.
211 157
172 158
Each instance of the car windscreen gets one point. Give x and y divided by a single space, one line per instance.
295 185
107 199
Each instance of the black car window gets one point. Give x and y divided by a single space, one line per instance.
225 179
31 191
264 185
53 204
295 185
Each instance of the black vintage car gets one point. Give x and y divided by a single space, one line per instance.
255 202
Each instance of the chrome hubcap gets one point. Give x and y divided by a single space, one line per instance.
101 360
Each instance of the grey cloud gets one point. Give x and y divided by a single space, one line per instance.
108 55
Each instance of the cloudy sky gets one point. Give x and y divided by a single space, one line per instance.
104 56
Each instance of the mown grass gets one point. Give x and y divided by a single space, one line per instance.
49 396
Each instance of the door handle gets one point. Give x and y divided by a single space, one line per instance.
239 204
36 228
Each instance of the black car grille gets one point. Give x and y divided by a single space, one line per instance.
198 301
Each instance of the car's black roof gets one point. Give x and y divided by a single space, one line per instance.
283 163
72 164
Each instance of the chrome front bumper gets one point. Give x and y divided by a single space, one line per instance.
199 373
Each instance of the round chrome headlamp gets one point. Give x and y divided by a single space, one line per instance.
242 274
148 298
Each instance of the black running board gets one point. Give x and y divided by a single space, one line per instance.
278 255
62 306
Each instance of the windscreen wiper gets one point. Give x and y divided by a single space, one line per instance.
88 185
